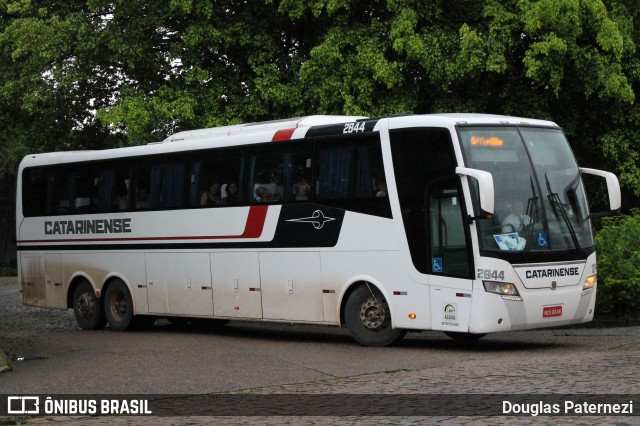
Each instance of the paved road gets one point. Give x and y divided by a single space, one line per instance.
283 359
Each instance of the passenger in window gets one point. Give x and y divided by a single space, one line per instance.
382 190
517 219
302 191
232 195
264 196
211 197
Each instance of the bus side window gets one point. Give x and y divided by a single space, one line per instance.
111 183
281 173
159 184
39 192
214 178
74 190
350 175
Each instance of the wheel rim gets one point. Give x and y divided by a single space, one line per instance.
373 314
84 305
119 305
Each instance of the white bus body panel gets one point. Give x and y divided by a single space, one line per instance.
341 269
492 313
179 283
291 286
42 282
99 267
450 305
236 284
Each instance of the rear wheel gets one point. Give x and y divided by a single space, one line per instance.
119 306
368 318
87 307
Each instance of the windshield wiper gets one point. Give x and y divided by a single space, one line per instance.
560 212
533 214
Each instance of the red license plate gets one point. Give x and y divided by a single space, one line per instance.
552 311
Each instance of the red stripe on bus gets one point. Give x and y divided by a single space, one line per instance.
252 229
283 135
255 222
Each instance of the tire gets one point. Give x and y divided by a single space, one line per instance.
368 318
118 306
87 308
464 337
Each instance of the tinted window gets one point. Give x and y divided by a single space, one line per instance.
344 172
215 178
37 192
159 184
112 183
350 175
280 173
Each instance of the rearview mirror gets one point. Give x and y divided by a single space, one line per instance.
613 189
485 189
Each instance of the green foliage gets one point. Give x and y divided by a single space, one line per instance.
618 246
621 145
578 32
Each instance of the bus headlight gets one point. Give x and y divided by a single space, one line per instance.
589 282
508 291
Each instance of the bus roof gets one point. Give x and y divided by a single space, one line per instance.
448 119
452 119
288 123
214 137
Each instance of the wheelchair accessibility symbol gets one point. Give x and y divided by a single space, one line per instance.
436 264
542 239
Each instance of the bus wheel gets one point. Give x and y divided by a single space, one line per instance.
119 306
464 337
368 318
87 308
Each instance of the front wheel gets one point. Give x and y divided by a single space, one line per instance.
87 307
119 306
368 318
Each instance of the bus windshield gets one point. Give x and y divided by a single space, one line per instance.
540 202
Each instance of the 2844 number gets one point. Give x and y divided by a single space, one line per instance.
490 274
353 127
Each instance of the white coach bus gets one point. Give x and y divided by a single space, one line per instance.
469 224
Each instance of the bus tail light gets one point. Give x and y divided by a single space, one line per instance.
508 291
589 282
